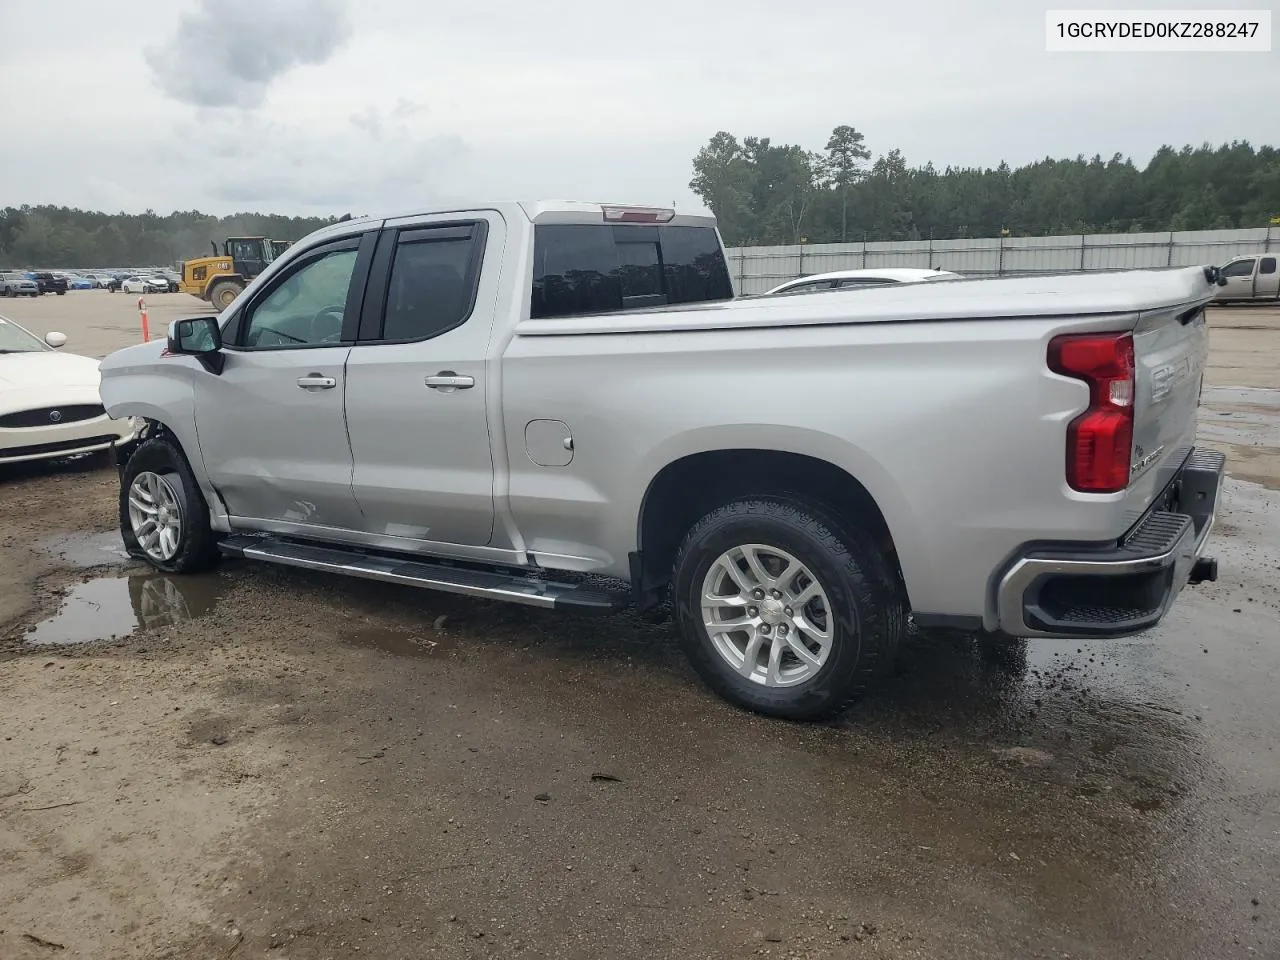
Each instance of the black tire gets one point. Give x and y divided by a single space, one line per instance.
198 545
868 608
62 293
223 292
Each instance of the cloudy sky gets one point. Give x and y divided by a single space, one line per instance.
328 106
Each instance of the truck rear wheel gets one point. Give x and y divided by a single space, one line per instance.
164 519
222 293
783 612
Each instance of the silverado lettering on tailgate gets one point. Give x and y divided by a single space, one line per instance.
1169 376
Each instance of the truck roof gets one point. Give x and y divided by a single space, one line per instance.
542 211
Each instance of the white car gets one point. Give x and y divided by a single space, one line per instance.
49 402
845 279
144 285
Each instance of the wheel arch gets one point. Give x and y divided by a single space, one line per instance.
688 486
166 404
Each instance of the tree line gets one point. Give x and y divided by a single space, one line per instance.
764 193
49 236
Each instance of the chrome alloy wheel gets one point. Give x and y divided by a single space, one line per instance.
767 615
155 515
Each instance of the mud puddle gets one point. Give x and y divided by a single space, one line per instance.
108 608
402 643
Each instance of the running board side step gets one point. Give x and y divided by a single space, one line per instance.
430 575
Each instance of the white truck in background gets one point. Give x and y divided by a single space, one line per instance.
1250 279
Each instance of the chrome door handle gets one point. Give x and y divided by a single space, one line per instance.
447 379
317 382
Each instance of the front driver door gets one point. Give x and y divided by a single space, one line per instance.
271 426
1239 277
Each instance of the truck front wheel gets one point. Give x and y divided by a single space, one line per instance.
164 519
783 611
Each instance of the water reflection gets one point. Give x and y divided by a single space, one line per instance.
107 608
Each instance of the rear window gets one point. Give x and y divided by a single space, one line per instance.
607 268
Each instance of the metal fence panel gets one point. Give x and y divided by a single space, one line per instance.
757 269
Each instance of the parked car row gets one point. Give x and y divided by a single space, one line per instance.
23 283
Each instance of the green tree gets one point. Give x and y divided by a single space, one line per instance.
773 193
843 166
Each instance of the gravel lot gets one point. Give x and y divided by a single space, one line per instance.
258 763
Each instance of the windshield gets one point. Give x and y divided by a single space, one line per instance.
14 339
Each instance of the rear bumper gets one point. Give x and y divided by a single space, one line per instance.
1124 587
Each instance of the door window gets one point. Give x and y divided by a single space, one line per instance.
433 282
1267 266
307 308
809 287
866 282
1241 268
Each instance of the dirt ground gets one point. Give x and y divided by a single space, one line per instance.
259 763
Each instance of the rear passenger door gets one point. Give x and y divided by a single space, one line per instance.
1267 285
417 383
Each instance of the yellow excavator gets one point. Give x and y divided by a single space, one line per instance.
220 278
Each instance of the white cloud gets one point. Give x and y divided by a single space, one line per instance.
328 105
227 52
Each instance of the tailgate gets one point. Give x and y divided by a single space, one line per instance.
1170 350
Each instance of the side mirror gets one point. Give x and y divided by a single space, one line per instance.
55 339
195 337
198 337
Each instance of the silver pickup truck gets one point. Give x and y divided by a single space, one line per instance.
501 401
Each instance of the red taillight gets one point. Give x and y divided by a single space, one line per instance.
1100 440
613 214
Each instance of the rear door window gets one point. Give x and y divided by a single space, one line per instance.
433 281
1267 266
606 268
